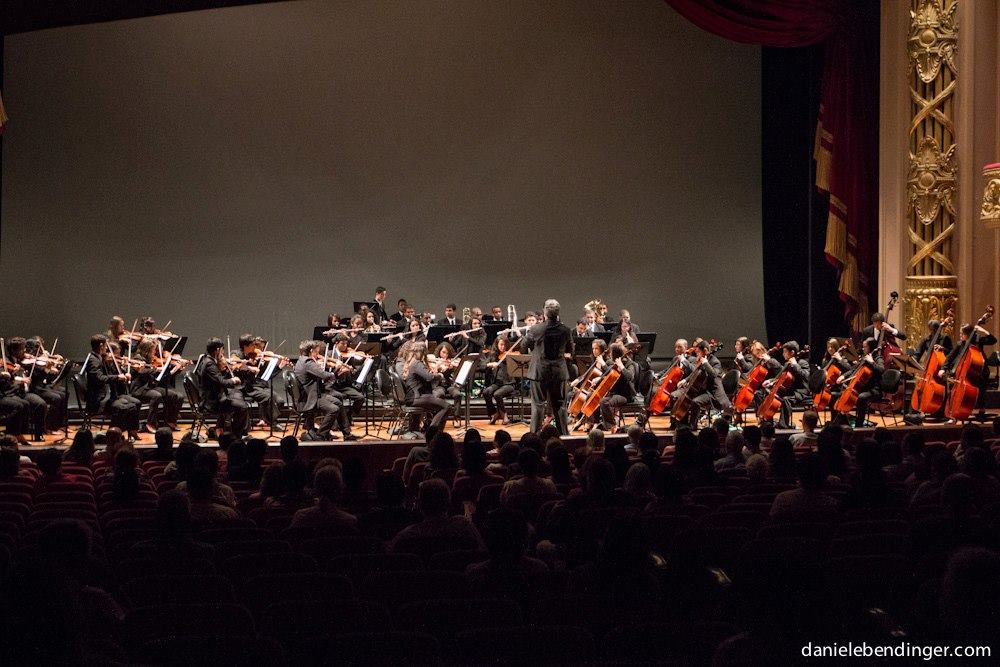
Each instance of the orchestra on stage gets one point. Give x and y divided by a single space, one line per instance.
595 371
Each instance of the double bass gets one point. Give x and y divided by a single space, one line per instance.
821 401
755 378
965 390
771 405
888 348
928 393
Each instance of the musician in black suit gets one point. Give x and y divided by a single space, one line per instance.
317 393
593 326
220 389
44 384
350 396
107 388
623 391
625 316
879 327
400 313
871 391
799 389
980 339
496 315
944 340
468 340
450 317
378 306
252 387
13 406
713 394
550 343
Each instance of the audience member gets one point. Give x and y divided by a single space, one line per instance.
638 486
289 448
81 451
164 451
173 521
807 437
208 460
733 460
809 496
205 511
390 515
473 475
328 486
526 490
509 569
455 532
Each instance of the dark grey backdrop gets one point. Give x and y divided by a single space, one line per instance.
255 168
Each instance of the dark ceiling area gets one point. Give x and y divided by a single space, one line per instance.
25 15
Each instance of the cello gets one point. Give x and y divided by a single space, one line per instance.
697 382
755 378
928 394
862 376
771 404
821 401
671 378
582 387
965 390
593 402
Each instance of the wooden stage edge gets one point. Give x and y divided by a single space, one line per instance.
378 452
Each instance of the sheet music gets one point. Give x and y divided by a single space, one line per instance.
463 372
84 367
365 369
269 370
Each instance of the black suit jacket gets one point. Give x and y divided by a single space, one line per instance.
379 311
548 341
311 378
102 383
215 384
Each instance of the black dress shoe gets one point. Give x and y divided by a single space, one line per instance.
350 437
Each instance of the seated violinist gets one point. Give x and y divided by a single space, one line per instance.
13 405
164 401
870 391
254 389
117 330
17 351
107 387
317 392
350 361
419 382
44 382
220 389
623 391
501 385
445 362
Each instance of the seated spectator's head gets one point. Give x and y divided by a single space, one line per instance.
533 441
82 449
599 479
685 448
126 459
550 431
882 435
831 454
757 468
329 461
390 490
634 432
958 494
767 431
125 483
667 485
595 440
256 451
509 453
443 456
207 460
473 457
289 446
638 481
294 477
734 444
49 461
970 595
892 452
226 438
184 459
10 462
500 438
328 484
943 464
913 443
868 456
66 544
472 434
648 442
708 440
272 481
751 437
977 463
528 461
972 436
237 455
506 535
810 420
173 514
810 472
354 474
558 457
200 484
431 433
164 438
433 497
721 426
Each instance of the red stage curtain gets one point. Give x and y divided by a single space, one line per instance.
847 130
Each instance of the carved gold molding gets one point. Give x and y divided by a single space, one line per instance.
990 212
928 298
933 37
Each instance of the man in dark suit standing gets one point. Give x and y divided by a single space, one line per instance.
550 344
378 306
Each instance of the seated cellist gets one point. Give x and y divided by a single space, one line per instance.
871 391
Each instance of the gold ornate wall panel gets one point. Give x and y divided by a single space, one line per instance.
932 183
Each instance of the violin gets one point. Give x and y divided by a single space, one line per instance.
965 390
439 365
928 393
821 401
771 404
755 378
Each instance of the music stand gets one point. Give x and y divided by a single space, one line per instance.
437 332
517 369
583 346
464 377
267 375
494 327
648 341
906 363
603 335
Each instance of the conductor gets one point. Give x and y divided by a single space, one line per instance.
550 344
